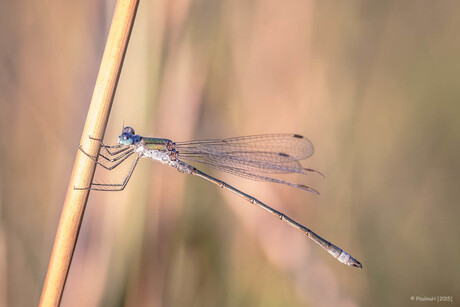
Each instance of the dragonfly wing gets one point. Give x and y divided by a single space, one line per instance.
253 173
222 160
271 148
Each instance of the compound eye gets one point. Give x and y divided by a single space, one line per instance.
128 130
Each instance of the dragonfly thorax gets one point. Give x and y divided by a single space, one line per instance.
164 156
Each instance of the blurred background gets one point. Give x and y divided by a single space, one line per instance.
374 85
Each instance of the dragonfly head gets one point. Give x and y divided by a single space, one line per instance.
128 137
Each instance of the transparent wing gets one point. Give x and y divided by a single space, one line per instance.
259 164
268 148
252 157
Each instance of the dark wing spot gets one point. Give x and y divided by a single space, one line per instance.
283 154
298 136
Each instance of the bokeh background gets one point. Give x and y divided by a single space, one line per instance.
373 84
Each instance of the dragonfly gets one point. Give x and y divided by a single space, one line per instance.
257 157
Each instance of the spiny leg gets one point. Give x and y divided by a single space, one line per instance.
115 152
123 157
119 157
126 156
112 186
107 147
332 249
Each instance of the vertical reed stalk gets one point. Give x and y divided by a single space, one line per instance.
83 171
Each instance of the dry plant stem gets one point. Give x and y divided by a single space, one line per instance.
83 171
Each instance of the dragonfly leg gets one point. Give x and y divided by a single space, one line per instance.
115 152
126 152
123 157
112 186
107 147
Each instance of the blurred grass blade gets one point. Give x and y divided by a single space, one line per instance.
83 171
